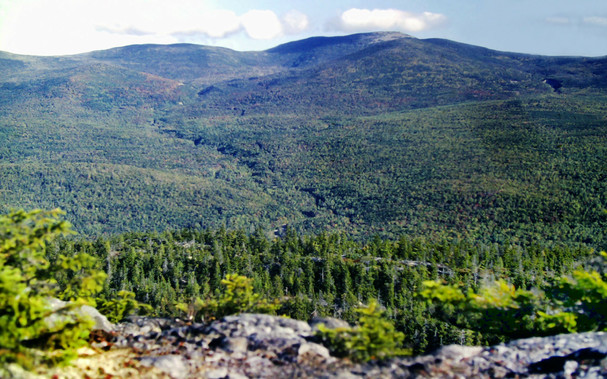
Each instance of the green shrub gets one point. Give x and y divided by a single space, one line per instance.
238 297
576 303
82 281
116 309
374 338
585 295
27 285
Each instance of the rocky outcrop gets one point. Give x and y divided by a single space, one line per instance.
248 345
564 356
100 321
262 346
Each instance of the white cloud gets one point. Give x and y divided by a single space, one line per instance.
44 27
578 21
217 23
213 23
73 26
387 19
261 24
558 20
595 20
295 22
157 17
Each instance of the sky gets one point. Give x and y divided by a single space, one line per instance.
60 27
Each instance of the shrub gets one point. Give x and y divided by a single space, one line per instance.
374 338
576 303
27 285
238 297
116 309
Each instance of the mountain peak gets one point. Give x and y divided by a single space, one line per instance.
358 40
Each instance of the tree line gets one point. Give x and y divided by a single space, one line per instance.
326 274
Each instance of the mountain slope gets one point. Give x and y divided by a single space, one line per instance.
403 73
185 62
370 133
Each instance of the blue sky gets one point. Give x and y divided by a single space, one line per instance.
56 27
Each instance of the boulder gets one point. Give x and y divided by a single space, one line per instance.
566 355
101 322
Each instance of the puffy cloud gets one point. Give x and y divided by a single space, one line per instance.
188 18
295 22
217 23
387 19
45 27
261 24
595 20
70 26
213 23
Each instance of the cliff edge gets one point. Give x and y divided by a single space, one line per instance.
263 346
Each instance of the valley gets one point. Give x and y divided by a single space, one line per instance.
378 133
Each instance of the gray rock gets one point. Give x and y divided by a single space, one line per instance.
279 336
263 346
218 373
263 326
458 352
136 326
570 367
101 322
174 365
314 349
236 345
257 364
346 375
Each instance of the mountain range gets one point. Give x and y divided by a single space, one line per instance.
377 133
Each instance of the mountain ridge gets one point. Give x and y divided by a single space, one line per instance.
206 65
370 133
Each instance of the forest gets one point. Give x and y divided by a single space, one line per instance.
418 294
518 169
430 181
321 275
357 134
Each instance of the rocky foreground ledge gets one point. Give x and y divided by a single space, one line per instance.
262 346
